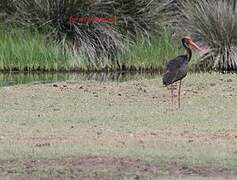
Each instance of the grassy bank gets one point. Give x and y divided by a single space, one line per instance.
152 55
28 51
42 126
97 45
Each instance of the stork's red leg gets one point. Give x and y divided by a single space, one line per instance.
172 97
179 93
170 100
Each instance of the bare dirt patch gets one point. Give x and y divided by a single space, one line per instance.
94 167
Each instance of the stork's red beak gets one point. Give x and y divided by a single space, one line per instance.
195 45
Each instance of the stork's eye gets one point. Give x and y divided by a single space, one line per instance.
188 41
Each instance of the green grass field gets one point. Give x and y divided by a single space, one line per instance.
120 130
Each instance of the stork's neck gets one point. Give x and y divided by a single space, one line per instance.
188 50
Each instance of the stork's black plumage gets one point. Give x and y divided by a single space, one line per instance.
177 68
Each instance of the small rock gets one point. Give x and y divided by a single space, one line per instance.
98 133
137 177
42 144
55 85
11 171
122 142
229 80
145 169
119 94
81 87
212 84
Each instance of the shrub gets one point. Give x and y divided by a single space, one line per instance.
214 24
99 42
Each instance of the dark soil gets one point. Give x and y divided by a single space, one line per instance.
103 168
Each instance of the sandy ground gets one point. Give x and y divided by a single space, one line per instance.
112 130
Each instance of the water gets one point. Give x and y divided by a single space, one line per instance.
11 79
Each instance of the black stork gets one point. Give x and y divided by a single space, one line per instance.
177 68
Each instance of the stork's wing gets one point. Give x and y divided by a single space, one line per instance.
176 69
176 62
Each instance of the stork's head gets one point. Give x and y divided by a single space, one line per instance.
187 40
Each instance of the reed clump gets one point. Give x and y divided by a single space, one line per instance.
214 25
93 45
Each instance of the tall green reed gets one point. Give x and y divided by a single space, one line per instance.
152 54
25 50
